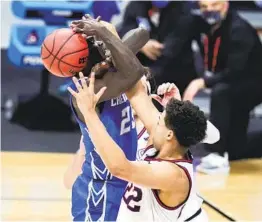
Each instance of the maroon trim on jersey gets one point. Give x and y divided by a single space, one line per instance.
188 159
147 148
181 211
141 133
179 205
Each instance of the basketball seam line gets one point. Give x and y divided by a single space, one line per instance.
60 60
67 54
60 68
53 45
61 48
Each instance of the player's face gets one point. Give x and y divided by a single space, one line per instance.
161 132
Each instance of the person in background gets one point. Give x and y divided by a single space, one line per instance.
161 18
232 53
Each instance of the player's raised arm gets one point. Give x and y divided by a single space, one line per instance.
116 82
143 105
120 79
124 59
135 39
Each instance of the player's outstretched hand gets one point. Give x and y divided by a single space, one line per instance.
85 96
88 26
168 91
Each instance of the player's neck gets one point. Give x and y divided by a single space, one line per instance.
169 152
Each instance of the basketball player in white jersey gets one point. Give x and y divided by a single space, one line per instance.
162 187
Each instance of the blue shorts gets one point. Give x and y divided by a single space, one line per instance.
94 200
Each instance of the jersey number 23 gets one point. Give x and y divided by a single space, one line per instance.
127 122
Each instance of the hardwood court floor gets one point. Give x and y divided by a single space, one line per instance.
32 188
239 194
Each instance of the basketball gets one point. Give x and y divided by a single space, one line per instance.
64 52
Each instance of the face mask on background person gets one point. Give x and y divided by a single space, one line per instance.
213 11
212 17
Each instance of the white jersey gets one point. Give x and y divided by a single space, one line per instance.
142 139
143 204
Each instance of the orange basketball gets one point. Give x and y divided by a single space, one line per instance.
64 52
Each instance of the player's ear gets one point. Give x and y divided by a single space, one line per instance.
170 135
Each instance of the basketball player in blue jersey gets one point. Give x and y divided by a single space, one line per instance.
96 194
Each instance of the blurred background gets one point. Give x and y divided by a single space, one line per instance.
39 135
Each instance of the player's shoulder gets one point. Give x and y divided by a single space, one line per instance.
179 170
169 166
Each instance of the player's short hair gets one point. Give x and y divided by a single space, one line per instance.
187 121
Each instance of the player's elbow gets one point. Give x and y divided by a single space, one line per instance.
136 71
114 170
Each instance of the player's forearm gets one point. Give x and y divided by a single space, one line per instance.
143 105
111 154
135 39
124 59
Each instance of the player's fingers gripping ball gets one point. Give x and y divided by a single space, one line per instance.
64 52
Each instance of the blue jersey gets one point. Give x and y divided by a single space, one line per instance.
96 194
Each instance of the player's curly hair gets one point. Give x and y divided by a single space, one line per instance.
187 121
